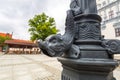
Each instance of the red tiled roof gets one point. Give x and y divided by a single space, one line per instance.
19 42
23 41
5 35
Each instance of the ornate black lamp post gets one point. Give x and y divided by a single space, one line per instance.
83 52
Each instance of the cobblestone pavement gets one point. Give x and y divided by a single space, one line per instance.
29 67
32 67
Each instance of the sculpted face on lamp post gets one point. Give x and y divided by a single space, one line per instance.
57 45
82 50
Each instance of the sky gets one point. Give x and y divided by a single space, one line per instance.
14 15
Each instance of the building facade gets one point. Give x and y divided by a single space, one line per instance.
4 36
17 46
109 10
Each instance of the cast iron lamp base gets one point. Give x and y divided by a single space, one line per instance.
88 69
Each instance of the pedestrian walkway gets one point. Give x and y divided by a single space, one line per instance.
1 53
32 67
29 67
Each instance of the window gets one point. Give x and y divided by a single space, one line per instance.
105 15
111 14
117 32
118 9
99 5
103 26
110 1
104 3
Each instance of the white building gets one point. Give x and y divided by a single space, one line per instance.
109 10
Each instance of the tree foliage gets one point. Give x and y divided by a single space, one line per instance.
41 26
2 40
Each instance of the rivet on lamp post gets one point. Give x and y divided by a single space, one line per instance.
83 52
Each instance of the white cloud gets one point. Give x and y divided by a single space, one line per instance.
14 14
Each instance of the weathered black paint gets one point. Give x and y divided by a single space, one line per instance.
83 52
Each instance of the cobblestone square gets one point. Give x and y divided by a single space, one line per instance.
32 67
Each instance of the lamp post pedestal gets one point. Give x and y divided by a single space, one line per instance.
93 62
83 52
87 69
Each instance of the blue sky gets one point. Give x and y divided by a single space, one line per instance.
14 14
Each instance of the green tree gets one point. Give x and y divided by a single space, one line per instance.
41 26
2 40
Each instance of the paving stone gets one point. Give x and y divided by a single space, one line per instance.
32 67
